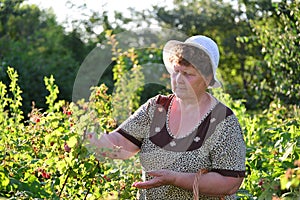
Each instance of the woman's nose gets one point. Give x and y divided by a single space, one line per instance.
179 77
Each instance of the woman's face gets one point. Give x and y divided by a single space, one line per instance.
187 82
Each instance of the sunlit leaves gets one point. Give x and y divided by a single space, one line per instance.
279 38
45 157
273 149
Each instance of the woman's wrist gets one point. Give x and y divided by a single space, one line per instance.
183 180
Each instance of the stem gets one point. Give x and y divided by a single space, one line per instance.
76 156
64 184
87 193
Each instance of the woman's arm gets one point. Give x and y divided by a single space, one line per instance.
211 184
112 145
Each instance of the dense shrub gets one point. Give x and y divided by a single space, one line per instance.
273 149
45 157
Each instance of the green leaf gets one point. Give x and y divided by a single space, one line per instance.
288 151
283 182
72 141
4 180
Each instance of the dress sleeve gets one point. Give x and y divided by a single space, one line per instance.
137 126
229 151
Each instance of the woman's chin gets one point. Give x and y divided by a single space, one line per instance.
181 94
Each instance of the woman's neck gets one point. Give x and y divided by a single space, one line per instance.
185 115
192 103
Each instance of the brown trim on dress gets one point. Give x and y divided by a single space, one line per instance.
160 136
129 137
231 173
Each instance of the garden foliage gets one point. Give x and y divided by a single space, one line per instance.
44 157
273 150
43 153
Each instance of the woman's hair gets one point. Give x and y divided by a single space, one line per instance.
189 55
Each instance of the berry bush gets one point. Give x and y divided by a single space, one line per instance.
44 156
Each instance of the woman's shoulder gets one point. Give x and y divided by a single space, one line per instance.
222 111
156 100
160 99
225 116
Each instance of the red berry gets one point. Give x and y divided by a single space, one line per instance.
37 120
106 178
67 148
45 175
261 182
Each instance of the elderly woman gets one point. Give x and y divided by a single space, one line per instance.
183 134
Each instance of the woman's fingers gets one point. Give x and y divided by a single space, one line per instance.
147 184
160 177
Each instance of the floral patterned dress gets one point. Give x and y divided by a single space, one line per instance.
216 144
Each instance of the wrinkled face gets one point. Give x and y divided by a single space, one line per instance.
187 82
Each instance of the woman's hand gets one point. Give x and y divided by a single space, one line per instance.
91 141
160 177
211 183
112 145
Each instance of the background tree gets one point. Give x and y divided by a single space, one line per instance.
36 45
223 22
236 27
279 36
